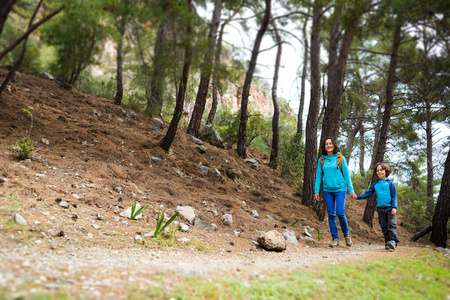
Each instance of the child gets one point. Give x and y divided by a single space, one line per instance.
386 204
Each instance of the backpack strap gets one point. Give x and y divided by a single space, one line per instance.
339 159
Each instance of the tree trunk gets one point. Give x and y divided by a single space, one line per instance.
362 149
336 73
212 112
381 149
167 140
5 9
200 101
29 31
442 211
276 106
154 100
303 82
421 233
22 54
241 151
429 133
382 102
119 73
309 172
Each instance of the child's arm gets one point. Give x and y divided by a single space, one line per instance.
393 197
368 193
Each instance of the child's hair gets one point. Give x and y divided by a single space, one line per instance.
323 151
384 167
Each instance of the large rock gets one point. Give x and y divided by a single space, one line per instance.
209 134
272 240
290 236
187 212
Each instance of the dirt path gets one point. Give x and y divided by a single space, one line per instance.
94 272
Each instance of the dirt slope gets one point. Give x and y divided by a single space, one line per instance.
97 157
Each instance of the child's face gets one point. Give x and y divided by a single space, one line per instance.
381 173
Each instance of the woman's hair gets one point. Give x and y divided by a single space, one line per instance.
383 167
324 151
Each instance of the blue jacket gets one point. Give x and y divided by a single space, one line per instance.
333 179
380 202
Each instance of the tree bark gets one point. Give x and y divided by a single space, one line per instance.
429 133
200 101
336 74
29 31
212 112
154 101
362 149
276 106
241 151
119 71
377 128
442 210
309 172
381 149
167 140
303 83
22 54
421 233
5 9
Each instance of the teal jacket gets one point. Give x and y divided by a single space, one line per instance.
383 199
333 179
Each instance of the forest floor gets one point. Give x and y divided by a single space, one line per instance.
97 157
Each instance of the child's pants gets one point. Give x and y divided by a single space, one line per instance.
388 224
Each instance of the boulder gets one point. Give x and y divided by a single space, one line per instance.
272 240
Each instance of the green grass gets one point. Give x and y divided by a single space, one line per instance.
423 276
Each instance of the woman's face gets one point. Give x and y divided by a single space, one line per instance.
329 146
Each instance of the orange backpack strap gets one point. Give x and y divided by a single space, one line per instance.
339 159
322 160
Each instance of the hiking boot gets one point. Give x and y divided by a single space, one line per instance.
386 247
391 245
334 243
348 241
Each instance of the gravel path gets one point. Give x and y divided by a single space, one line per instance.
93 272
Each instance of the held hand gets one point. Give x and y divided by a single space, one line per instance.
316 197
394 212
353 195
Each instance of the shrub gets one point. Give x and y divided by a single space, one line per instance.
23 147
291 160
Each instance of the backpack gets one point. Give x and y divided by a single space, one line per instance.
339 159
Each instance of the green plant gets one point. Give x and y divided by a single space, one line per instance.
134 212
159 222
23 147
319 235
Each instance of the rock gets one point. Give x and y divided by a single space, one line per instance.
290 236
95 226
150 234
215 174
46 75
209 133
254 213
178 172
200 223
138 238
156 160
20 220
204 170
158 121
195 140
445 251
272 240
156 129
306 233
183 240
234 175
227 219
187 212
201 149
183 227
213 213
45 141
63 204
252 162
127 213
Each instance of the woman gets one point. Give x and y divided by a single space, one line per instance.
336 180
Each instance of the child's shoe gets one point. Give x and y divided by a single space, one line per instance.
391 245
334 243
348 241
